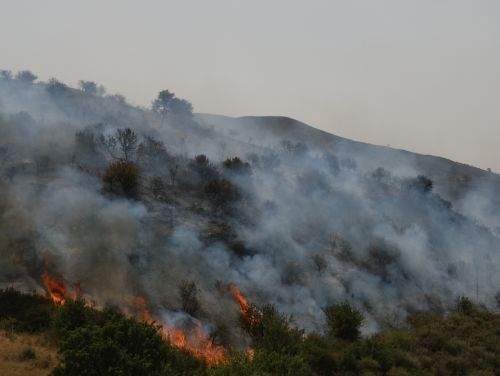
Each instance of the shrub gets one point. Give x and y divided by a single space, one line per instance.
343 321
117 345
23 312
72 315
26 76
421 184
265 363
272 331
27 354
203 169
188 293
465 305
221 192
121 178
236 165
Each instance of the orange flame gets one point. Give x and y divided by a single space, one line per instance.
55 288
197 341
247 311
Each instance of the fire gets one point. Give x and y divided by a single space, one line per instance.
56 288
247 311
140 306
198 343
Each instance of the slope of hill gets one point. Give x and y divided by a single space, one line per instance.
23 354
166 214
452 179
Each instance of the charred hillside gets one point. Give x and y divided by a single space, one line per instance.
166 215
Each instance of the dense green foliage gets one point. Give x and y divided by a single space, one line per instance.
92 342
108 343
343 321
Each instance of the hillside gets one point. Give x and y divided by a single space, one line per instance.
24 354
452 179
183 218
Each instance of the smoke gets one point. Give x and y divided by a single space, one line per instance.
315 220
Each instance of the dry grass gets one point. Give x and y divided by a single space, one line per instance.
16 359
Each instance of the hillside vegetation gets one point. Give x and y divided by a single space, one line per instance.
465 341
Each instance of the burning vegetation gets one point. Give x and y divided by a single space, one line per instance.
194 339
249 314
197 342
106 342
57 289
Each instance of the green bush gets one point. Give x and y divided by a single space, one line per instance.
121 178
271 331
112 344
93 342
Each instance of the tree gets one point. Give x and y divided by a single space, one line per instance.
122 145
344 321
189 297
465 305
55 87
181 107
166 103
153 153
162 103
91 88
127 140
221 192
118 99
26 76
236 165
118 345
5 75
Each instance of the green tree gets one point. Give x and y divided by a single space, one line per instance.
344 321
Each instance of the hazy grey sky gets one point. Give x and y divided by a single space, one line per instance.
422 75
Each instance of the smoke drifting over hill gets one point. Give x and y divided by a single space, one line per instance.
300 219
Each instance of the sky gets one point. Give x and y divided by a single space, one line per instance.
421 75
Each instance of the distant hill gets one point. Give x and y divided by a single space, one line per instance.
452 179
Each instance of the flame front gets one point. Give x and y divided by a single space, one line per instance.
247 311
56 288
197 343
